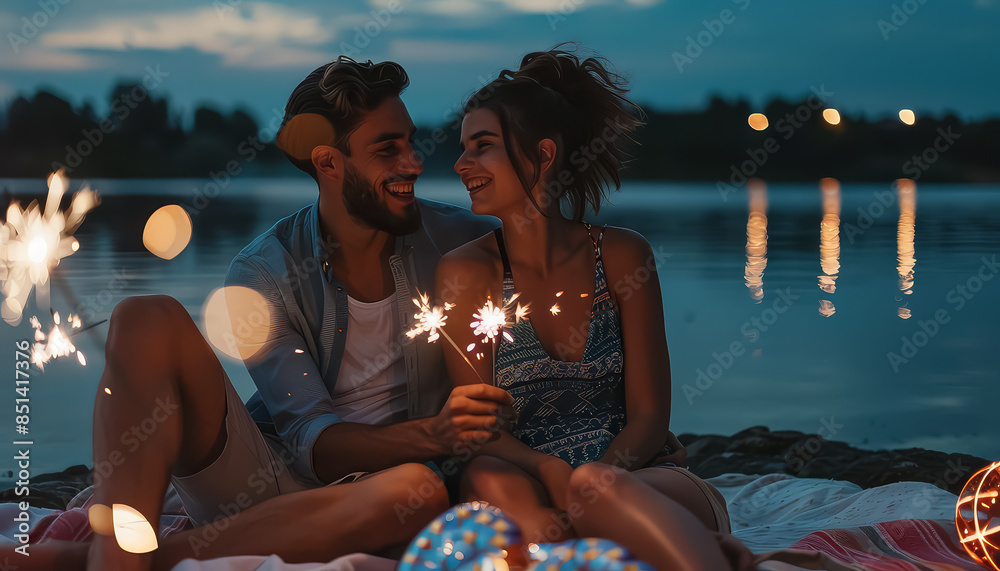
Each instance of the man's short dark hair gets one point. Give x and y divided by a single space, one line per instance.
342 92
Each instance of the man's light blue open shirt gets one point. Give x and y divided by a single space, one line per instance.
288 266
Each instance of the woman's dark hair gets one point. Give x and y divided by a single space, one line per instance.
342 91
582 106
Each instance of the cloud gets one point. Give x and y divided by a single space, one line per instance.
260 36
445 51
7 21
455 8
41 60
565 6
462 8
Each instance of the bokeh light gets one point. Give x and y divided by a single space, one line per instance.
167 232
101 520
907 116
832 116
132 530
757 121
237 321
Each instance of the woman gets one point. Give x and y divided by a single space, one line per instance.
590 452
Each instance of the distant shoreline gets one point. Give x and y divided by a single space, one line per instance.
712 144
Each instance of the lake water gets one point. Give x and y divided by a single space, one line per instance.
779 311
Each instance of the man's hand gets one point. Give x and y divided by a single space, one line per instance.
470 414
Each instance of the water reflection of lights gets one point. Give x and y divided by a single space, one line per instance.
756 238
906 190
829 242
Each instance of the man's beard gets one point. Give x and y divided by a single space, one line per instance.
363 205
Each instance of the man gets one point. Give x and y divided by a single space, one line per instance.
341 390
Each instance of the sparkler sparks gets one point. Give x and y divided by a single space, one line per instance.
490 319
554 310
521 313
429 320
33 240
55 344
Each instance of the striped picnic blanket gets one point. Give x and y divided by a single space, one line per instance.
902 545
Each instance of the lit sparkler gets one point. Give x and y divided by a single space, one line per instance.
33 242
430 320
490 319
493 321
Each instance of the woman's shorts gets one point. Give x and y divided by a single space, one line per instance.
713 496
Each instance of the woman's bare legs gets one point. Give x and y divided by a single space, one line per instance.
519 495
165 413
614 504
681 489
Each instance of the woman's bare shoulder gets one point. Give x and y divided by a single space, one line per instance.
478 257
625 244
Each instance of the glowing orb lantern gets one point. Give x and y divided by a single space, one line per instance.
470 536
977 516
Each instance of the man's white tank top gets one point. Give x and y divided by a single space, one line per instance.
371 385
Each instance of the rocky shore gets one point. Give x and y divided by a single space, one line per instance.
756 450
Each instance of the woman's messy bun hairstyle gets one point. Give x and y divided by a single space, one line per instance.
582 106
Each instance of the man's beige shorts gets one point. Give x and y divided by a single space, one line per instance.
251 469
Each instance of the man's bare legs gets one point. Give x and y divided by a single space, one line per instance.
165 413
308 526
321 524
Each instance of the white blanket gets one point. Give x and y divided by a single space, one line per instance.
773 512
